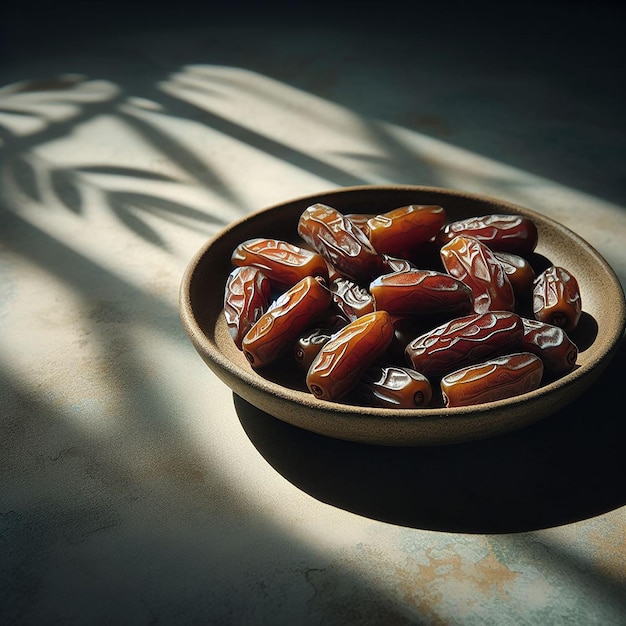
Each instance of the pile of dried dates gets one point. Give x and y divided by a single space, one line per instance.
395 309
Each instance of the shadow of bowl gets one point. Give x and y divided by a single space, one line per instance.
568 467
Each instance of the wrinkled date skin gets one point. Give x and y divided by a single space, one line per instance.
405 228
556 298
351 299
359 220
502 232
309 344
496 379
396 264
393 387
340 242
551 343
464 341
471 261
291 313
342 360
246 298
415 292
282 262
520 272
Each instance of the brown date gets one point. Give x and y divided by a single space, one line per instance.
282 262
246 298
495 379
348 354
556 298
471 261
393 387
503 232
520 272
309 344
287 317
350 298
464 341
551 344
396 264
340 242
405 228
359 220
415 292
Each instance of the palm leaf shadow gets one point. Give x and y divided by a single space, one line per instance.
120 170
24 175
132 207
183 156
67 189
125 210
301 159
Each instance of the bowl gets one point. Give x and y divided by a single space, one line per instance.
280 391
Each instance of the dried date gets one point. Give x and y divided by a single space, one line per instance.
502 232
552 344
393 387
471 261
495 379
464 341
348 354
405 228
415 292
246 298
309 344
340 242
556 298
289 315
282 262
350 298
520 273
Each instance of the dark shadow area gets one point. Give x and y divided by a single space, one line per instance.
556 109
566 468
181 529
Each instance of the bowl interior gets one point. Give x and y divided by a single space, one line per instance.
280 390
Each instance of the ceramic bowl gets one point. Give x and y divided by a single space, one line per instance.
280 390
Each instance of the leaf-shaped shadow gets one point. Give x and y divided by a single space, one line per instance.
125 210
180 153
67 189
169 210
118 170
25 177
58 83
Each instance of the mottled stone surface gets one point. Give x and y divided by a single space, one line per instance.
134 488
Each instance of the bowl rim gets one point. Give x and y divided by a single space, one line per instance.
221 364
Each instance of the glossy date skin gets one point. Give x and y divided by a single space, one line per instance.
464 341
393 387
340 242
396 264
342 360
287 317
405 228
474 263
501 232
520 273
556 298
495 379
550 343
309 344
246 298
415 292
351 299
282 262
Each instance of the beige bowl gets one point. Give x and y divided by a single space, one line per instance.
279 392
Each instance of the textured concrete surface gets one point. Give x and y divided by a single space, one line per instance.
135 488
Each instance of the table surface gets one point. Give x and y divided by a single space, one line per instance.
135 487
